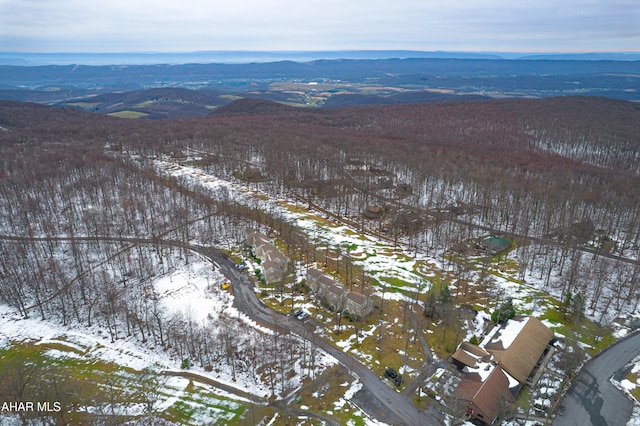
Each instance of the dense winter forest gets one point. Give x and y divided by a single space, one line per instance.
82 201
563 169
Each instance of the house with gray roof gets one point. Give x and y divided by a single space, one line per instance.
274 263
357 304
335 296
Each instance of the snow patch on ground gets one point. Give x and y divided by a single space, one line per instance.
191 290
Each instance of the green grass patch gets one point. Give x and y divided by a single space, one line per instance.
634 378
146 103
599 337
395 283
53 371
129 114
523 401
295 104
84 105
444 339
596 337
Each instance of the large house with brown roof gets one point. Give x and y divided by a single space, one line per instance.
518 346
508 356
486 393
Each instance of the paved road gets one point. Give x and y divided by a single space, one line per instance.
592 399
393 407
388 405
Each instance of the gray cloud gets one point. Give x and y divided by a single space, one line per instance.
160 25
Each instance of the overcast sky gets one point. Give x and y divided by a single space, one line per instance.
285 25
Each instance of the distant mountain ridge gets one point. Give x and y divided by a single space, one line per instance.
245 57
157 103
168 75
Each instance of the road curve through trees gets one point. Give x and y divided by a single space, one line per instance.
393 406
592 398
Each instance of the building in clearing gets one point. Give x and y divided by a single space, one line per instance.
357 304
506 359
333 294
494 244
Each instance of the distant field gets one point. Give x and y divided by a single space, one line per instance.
231 97
129 114
84 105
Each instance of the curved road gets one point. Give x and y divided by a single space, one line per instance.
592 399
393 407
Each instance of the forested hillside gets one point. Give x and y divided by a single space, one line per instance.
532 167
83 202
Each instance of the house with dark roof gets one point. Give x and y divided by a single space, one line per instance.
317 279
515 349
486 393
256 238
469 355
272 272
334 295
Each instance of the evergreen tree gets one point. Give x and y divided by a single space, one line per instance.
504 312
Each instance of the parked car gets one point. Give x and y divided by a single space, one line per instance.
398 380
303 315
296 312
390 373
